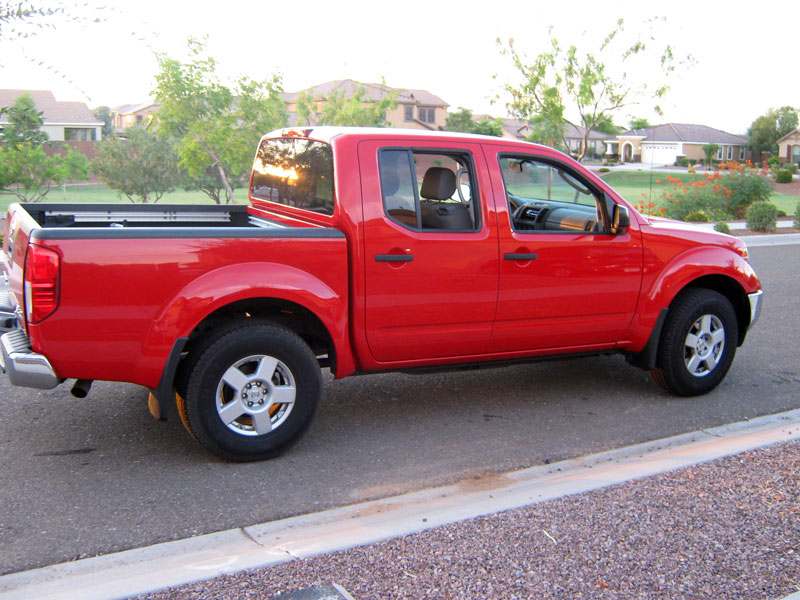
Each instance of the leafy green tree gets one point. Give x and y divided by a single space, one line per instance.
463 120
217 127
710 150
766 130
605 124
640 123
24 122
143 166
358 110
561 78
103 113
27 172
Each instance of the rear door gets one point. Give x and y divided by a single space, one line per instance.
431 262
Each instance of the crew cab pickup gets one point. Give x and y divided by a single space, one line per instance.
363 250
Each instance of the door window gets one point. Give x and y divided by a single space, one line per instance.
549 198
429 190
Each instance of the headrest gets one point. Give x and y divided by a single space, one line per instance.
438 184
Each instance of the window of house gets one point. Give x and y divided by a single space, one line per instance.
294 172
408 112
730 153
741 153
428 191
427 115
80 134
719 153
545 197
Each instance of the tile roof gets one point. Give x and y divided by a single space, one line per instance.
681 132
55 112
374 91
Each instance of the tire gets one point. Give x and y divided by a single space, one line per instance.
697 344
252 391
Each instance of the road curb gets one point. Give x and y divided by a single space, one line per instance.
153 568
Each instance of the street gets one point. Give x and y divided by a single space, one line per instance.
98 475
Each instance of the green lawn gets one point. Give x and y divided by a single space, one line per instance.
632 184
101 194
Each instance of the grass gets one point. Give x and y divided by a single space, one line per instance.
632 184
100 194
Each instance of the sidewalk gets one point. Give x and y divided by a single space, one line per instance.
684 517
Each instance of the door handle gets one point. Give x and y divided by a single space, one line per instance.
388 258
514 256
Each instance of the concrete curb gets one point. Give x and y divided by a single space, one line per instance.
153 568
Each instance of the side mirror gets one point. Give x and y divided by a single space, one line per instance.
620 219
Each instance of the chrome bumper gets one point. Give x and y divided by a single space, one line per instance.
24 367
755 306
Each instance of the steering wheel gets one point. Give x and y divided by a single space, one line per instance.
526 216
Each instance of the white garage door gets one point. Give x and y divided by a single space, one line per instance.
660 154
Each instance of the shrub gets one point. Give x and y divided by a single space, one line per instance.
604 169
698 216
784 176
761 216
722 227
797 216
773 161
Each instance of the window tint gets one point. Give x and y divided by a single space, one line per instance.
549 197
429 190
294 172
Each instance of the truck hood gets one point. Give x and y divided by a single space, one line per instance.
700 233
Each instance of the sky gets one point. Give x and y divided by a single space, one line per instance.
744 62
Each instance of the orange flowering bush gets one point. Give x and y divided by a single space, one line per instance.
716 195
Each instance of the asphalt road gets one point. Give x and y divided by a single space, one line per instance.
98 475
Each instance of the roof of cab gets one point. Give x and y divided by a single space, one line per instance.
326 133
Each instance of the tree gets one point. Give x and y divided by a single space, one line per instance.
463 120
561 78
356 111
217 128
24 122
766 130
103 113
143 166
710 150
26 170
640 123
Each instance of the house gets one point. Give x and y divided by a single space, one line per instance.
63 121
789 147
521 130
416 109
670 143
128 115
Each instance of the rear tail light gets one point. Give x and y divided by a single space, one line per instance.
42 275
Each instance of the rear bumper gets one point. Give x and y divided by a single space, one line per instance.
24 367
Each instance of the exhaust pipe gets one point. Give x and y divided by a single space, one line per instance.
81 388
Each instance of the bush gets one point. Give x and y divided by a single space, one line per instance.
761 216
698 216
604 169
722 227
797 216
784 176
773 161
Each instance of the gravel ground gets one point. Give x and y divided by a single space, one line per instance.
728 529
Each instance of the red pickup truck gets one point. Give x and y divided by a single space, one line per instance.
363 250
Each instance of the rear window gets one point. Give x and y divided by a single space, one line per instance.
294 172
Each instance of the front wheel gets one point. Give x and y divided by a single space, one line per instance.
252 391
698 343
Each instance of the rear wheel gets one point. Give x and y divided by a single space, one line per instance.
698 343
252 391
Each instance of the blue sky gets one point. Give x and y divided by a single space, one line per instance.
743 60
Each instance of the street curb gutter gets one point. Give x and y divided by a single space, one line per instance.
153 568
